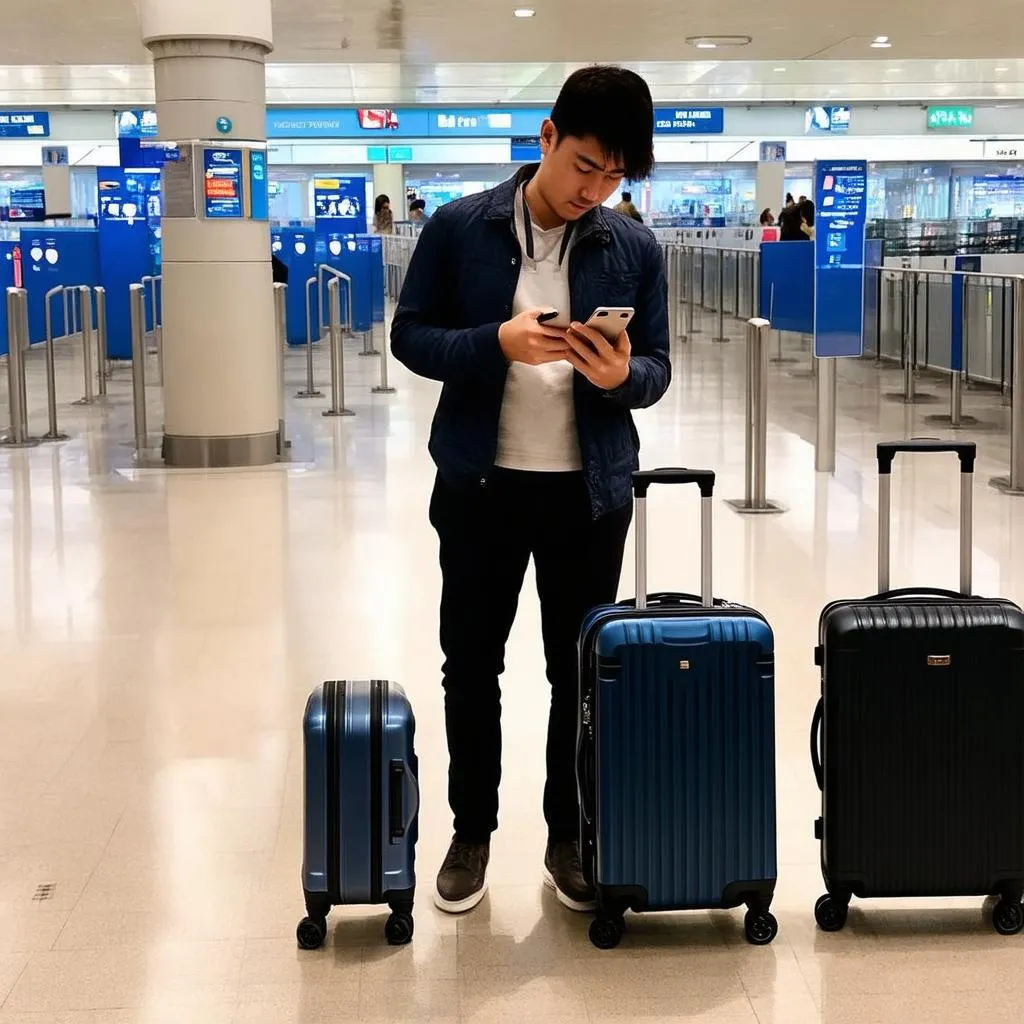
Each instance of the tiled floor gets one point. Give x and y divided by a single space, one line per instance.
159 633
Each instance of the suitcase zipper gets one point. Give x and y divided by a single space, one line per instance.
376 790
334 715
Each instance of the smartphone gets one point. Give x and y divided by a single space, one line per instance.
546 318
610 321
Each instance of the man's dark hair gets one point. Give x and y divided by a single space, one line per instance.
615 107
627 197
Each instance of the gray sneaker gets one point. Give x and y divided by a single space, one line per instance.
563 873
462 880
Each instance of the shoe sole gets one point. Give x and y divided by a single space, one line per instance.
580 908
459 906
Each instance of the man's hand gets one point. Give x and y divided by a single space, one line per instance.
606 366
523 340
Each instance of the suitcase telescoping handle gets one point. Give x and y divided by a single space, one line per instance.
966 451
705 480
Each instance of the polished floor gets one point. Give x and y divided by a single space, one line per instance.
159 633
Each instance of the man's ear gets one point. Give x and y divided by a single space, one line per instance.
548 137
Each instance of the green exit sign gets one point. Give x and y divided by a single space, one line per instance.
951 117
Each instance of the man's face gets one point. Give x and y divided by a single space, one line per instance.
576 175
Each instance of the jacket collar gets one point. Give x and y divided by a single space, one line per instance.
501 203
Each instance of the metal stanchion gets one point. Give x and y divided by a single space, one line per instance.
17 435
85 305
137 307
310 391
73 289
384 387
337 351
102 352
158 327
691 293
756 445
1014 483
825 431
908 321
955 418
281 336
721 297
53 433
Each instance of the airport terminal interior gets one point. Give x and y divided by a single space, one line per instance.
215 495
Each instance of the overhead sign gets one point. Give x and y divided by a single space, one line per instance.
222 183
689 121
827 119
404 122
24 124
338 204
950 117
840 196
772 153
1002 150
136 124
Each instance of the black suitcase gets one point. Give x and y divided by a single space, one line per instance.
918 738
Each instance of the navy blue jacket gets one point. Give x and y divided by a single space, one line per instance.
459 290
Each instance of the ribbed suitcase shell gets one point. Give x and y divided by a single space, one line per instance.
349 853
678 725
923 746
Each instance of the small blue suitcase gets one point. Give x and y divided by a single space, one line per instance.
676 747
361 805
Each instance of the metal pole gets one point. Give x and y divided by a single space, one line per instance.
311 391
825 433
384 387
1014 483
17 313
910 349
74 309
756 439
137 306
67 314
53 434
281 334
721 296
691 329
158 327
337 351
84 299
102 353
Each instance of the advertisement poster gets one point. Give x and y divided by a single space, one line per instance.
339 205
840 196
826 119
222 183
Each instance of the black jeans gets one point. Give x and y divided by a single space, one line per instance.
486 539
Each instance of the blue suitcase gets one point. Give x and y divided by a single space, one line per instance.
676 747
361 805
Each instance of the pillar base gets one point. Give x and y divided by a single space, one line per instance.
740 506
220 452
1002 483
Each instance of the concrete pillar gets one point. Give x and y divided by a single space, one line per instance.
770 190
220 360
389 179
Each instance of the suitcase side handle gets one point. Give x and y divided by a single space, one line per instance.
816 721
705 480
966 451
398 820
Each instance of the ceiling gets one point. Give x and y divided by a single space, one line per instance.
440 31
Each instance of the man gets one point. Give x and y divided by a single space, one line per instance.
627 208
533 438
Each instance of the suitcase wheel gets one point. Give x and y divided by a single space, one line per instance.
830 912
398 928
606 932
760 927
311 932
1008 917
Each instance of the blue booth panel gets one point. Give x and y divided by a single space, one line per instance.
52 257
296 248
377 269
352 255
787 286
10 254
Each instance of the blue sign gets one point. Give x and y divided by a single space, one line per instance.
339 205
827 119
24 124
27 204
136 124
259 196
222 183
224 125
525 149
689 121
399 154
840 196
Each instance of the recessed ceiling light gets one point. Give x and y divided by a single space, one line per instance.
706 44
524 12
780 69
881 43
1001 69
713 42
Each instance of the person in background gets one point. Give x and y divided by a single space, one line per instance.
533 438
806 208
279 269
627 209
790 201
767 217
418 211
383 218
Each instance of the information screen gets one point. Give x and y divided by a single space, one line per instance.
840 196
222 183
